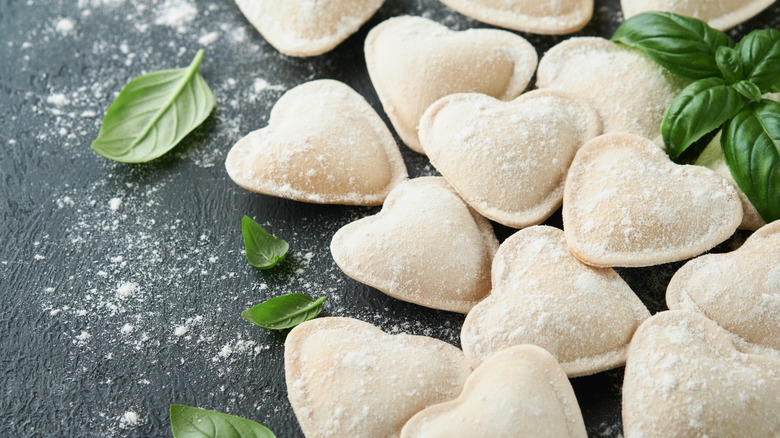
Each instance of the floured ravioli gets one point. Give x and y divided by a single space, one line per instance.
739 290
307 27
720 14
519 392
542 295
626 204
426 247
545 17
630 91
684 378
508 160
347 378
413 62
323 144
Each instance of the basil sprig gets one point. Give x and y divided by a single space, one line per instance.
284 312
727 85
153 113
189 422
262 249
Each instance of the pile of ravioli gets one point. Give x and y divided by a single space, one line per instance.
545 305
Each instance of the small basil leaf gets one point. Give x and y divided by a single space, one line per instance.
751 147
700 108
284 312
189 422
153 113
748 89
684 46
730 64
760 53
262 249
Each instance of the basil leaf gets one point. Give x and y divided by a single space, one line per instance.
748 89
730 64
760 53
700 108
284 312
189 422
262 249
684 46
153 113
751 147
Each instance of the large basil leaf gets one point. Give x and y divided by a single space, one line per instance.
701 107
284 311
153 113
751 147
760 53
189 422
263 250
684 46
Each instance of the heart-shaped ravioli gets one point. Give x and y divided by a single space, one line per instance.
630 91
426 246
520 391
413 62
626 204
306 27
545 17
684 378
739 290
347 378
508 160
720 14
542 295
323 144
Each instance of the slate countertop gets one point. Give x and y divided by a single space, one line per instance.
122 285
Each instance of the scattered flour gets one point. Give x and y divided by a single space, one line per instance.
115 203
126 290
208 39
260 85
58 99
64 26
129 419
83 336
176 13
180 331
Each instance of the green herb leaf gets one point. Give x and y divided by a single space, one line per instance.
284 312
262 249
153 113
748 89
189 422
701 107
751 147
684 46
760 53
730 64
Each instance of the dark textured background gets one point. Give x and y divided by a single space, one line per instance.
67 367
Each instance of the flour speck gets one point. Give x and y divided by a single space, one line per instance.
126 290
115 203
64 26
57 99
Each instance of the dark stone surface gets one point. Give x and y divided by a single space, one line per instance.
77 355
